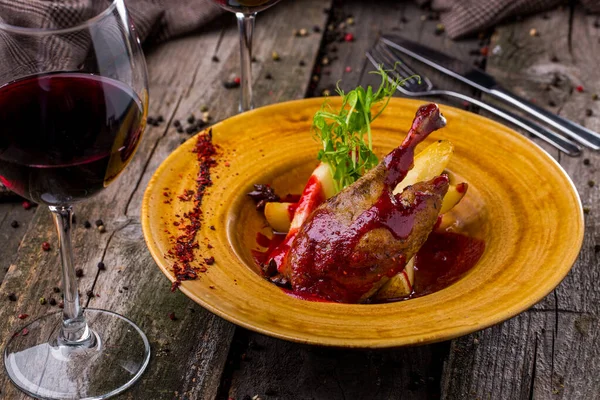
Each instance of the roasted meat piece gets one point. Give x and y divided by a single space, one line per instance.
354 240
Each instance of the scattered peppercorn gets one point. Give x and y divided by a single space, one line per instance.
484 51
591 183
237 80
52 302
597 248
26 205
25 332
316 29
90 294
45 246
348 37
56 289
61 304
215 59
42 301
204 109
586 161
230 84
551 103
254 59
586 210
151 121
74 219
99 222
554 59
439 29
302 32
14 224
579 88
87 225
190 129
348 69
79 272
101 266
101 229
533 32
160 119
22 316
172 316
12 297
302 63
176 123
588 112
275 56
125 287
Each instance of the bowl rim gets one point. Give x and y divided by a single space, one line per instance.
386 342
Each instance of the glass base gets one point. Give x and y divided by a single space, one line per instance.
114 358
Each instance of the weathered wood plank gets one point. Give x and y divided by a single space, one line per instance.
551 351
388 17
11 237
189 353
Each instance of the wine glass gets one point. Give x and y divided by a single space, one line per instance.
73 106
245 11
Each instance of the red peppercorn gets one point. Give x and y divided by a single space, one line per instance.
484 51
237 80
579 88
349 37
348 69
45 246
172 316
26 205
23 316
25 332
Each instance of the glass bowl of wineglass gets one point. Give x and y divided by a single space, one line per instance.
73 106
245 11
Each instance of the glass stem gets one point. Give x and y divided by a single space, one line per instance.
246 28
74 329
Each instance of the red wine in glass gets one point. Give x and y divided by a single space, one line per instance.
246 6
64 136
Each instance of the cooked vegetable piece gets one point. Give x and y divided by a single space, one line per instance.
279 215
399 285
428 164
453 196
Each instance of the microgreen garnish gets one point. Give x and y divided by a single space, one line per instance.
342 133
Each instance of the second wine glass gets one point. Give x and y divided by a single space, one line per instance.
245 12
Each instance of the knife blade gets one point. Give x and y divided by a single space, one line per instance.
486 83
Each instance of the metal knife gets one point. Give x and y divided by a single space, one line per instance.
487 84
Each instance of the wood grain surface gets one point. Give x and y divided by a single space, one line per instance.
549 352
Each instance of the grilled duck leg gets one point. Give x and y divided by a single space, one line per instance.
365 233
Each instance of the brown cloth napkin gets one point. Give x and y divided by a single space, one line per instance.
155 20
464 17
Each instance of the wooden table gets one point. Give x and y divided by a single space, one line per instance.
551 351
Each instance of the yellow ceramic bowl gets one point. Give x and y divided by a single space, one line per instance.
520 202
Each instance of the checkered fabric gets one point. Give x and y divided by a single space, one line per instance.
464 17
155 20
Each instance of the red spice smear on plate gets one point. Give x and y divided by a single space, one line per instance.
185 244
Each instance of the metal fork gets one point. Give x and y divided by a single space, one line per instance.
418 85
